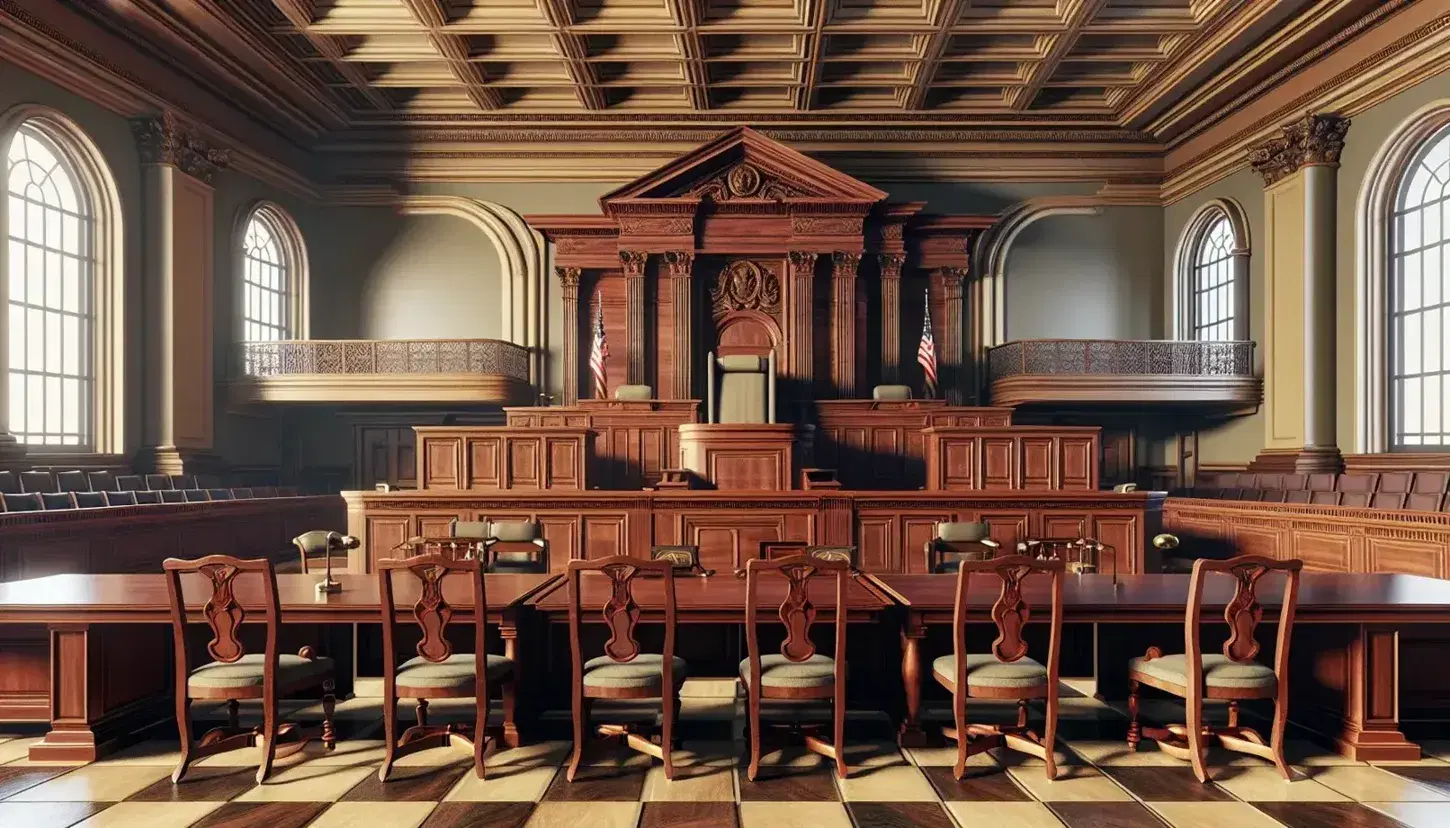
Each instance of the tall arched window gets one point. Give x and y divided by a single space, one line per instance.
1419 295
273 264
52 313
1213 283
1212 273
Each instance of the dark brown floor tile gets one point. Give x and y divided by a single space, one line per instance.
1435 777
269 814
1105 815
428 784
48 814
899 815
13 780
480 815
598 784
979 785
789 785
201 785
689 815
1326 815
1152 784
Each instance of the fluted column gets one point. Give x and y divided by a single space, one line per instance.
569 286
634 263
678 270
951 282
800 357
891 264
844 265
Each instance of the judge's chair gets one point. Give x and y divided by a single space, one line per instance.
955 542
634 393
741 389
515 546
1233 677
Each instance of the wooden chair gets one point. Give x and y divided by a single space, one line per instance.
234 674
685 557
321 543
797 672
1233 676
960 541
1006 672
624 672
437 672
515 546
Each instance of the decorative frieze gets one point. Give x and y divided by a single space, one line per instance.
168 140
1317 139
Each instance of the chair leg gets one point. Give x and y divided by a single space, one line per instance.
390 733
838 736
1195 737
422 712
670 713
1135 730
959 718
183 724
1276 735
269 734
480 733
234 714
581 729
1049 734
752 705
329 708
509 689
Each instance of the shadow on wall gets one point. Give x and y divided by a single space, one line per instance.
437 277
343 244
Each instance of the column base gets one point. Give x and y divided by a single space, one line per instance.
176 460
1307 460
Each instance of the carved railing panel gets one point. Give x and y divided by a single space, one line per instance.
381 356
1122 357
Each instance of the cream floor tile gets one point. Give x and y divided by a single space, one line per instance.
1003 814
150 815
717 688
1416 814
1115 753
1071 785
1365 784
374 815
306 783
789 756
93 783
793 815
1212 815
945 757
1296 752
518 775
149 752
15 749
699 783
1266 785
877 754
584 815
901 783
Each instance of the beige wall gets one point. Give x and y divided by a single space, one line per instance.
439 277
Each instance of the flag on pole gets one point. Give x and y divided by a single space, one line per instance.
598 353
926 354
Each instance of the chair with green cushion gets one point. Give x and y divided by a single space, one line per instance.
514 546
437 672
624 671
234 674
473 531
634 392
1006 673
797 672
322 543
955 542
740 388
891 393
1233 677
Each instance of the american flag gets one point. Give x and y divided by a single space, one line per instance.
926 354
598 353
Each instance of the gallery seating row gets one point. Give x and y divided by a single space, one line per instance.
47 501
40 481
1418 491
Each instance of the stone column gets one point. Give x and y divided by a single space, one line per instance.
634 263
1300 170
678 271
844 265
569 286
177 170
891 264
951 282
801 327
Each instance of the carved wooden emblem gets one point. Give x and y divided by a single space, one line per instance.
223 614
744 180
1243 614
745 286
433 613
797 612
621 613
1010 613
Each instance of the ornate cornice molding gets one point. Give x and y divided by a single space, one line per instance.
169 140
569 280
1314 140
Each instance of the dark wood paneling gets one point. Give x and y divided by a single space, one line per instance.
1040 458
878 445
482 458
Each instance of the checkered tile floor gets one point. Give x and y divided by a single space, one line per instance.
1101 785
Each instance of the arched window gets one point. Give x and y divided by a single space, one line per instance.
273 265
1419 295
1212 272
52 297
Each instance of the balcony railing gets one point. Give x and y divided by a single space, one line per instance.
1140 357
382 356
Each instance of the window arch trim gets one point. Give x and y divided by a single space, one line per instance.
108 436
294 253
1185 259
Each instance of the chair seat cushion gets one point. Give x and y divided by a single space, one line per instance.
778 671
1218 671
645 670
247 672
456 671
984 670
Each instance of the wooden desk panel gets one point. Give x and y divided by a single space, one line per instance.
879 445
1035 458
491 458
634 440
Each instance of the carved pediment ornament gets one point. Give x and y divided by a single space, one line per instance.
744 180
827 225
1317 139
745 286
657 225
167 140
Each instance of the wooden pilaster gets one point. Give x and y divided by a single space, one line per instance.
844 265
569 286
634 263
952 282
678 267
891 264
800 358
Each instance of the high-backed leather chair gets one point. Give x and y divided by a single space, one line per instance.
634 392
71 481
891 393
958 541
37 481
741 389
515 546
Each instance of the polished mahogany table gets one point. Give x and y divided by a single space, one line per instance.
102 659
1344 658
719 598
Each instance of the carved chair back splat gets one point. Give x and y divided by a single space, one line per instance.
1243 613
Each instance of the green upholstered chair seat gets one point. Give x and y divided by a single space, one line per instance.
958 532
645 670
514 531
475 529
634 392
891 392
1218 671
778 671
247 672
453 672
743 398
984 670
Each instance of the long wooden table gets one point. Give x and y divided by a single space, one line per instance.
107 669
1345 661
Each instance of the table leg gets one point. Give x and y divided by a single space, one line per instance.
508 630
911 734
1367 691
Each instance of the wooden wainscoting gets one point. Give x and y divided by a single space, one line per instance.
634 440
878 444
487 458
1051 458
